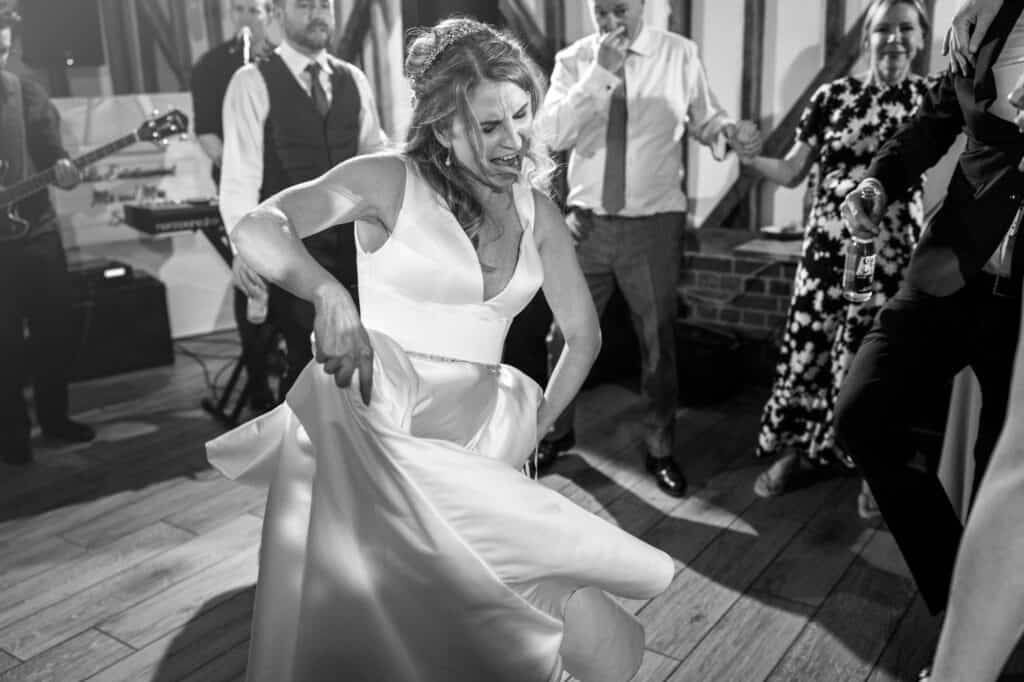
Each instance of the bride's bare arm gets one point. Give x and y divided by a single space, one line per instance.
569 298
268 239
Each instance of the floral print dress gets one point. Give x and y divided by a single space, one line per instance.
846 122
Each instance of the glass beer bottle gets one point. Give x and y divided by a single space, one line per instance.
859 270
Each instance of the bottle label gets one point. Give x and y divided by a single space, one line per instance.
866 266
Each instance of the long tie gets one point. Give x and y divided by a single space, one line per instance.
613 195
316 90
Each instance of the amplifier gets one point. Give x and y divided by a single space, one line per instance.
121 323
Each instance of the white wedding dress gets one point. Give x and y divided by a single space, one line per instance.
401 541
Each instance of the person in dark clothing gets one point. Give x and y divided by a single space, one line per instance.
959 304
210 77
214 69
288 119
35 288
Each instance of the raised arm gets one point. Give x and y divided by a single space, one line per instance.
573 308
581 87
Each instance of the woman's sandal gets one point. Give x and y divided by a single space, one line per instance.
772 481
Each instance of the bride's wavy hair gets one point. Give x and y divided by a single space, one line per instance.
444 64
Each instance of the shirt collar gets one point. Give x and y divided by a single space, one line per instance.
644 43
297 62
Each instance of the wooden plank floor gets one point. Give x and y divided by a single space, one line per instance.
130 560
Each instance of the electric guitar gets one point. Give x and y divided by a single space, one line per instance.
13 226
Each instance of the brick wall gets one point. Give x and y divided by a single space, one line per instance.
732 281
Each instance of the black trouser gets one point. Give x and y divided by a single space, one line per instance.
334 249
918 341
35 288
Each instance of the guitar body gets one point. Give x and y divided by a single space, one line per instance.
12 226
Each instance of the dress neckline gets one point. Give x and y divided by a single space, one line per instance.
523 221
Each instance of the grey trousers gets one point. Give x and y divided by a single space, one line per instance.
642 256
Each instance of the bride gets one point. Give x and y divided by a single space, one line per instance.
401 542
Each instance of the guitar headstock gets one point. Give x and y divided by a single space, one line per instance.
159 128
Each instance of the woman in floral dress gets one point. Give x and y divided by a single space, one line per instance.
845 123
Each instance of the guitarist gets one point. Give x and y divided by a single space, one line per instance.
35 287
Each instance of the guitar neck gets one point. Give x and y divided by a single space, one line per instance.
34 183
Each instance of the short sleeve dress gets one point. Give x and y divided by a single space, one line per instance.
845 123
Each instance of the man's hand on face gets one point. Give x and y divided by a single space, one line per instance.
611 51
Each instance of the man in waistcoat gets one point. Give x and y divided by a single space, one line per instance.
210 77
35 289
287 119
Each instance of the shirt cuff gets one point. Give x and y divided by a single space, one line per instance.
599 81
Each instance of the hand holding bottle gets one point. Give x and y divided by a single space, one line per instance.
861 212
863 208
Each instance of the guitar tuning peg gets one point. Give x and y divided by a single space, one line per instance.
155 113
164 142
183 137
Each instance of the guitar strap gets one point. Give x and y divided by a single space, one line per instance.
13 143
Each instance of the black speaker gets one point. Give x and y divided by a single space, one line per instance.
120 320
55 32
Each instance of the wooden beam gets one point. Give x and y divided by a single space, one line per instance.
554 24
750 105
835 26
214 25
522 22
680 18
778 141
353 36
162 33
922 63
117 29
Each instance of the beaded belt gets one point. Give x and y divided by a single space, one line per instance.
493 369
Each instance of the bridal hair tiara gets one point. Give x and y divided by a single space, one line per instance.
443 43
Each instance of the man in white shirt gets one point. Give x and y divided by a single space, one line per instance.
620 102
288 119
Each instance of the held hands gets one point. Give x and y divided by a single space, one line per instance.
1016 98
341 343
745 139
67 174
970 23
611 50
862 214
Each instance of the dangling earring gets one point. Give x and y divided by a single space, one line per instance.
448 158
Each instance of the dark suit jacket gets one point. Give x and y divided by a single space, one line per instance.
986 187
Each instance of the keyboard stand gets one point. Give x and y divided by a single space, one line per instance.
222 410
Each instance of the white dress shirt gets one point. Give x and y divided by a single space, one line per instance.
246 106
667 95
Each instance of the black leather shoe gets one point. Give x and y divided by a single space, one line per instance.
548 451
17 451
667 475
68 430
